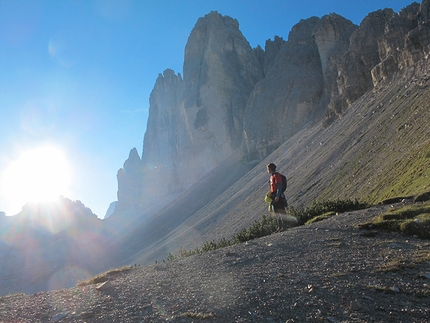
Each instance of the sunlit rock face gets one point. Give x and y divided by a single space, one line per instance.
384 43
354 68
405 42
297 86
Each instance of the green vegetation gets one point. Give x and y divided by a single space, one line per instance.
322 210
268 225
409 220
321 217
196 315
409 175
104 276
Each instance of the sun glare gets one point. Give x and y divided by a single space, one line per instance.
38 175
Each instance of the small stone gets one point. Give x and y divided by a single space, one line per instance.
104 286
394 245
87 315
59 316
356 305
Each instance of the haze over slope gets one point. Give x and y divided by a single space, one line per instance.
236 100
341 109
369 81
378 149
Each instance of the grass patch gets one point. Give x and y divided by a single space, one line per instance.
421 256
321 217
104 276
196 315
395 265
322 210
334 244
408 175
411 220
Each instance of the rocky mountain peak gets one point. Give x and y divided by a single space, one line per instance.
196 122
130 184
215 20
235 99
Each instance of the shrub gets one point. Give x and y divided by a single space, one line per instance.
324 207
268 225
209 245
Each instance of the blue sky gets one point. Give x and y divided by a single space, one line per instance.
77 74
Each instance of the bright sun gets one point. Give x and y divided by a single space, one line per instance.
38 175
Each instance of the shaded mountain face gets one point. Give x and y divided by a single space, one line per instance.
233 98
195 122
48 246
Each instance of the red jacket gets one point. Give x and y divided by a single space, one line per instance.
275 178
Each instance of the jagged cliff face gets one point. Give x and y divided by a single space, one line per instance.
233 98
195 122
296 88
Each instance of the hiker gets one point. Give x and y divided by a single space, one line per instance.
276 194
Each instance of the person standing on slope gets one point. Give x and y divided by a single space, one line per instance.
276 194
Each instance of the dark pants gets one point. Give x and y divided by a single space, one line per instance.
278 207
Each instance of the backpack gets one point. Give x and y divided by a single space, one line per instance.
284 182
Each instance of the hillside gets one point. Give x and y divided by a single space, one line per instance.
380 148
232 99
341 109
328 271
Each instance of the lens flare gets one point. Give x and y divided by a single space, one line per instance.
38 175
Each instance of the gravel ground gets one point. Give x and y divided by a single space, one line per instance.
325 272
